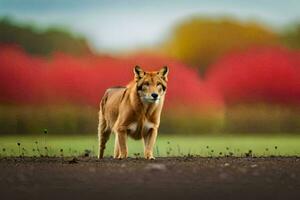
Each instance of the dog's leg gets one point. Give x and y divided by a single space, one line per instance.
103 135
121 134
149 141
117 148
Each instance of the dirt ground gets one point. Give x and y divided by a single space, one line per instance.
164 178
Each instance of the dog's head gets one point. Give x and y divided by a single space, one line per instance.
151 86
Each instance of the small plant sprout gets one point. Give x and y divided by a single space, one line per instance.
157 150
37 147
19 147
23 152
61 155
212 153
249 153
12 152
277 152
45 133
33 152
178 149
189 153
46 151
93 151
70 151
87 153
168 151
4 151
137 155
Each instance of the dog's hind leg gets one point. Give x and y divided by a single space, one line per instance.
103 134
117 147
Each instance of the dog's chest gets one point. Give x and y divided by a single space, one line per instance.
137 129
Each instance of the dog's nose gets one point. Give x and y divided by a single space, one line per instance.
154 95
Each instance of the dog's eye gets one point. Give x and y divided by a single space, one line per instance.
146 83
145 87
160 89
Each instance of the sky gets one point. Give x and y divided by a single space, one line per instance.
123 25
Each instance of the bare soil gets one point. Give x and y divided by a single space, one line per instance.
163 178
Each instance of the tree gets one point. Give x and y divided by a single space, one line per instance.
42 42
291 37
200 41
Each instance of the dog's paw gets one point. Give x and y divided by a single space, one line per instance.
122 157
149 158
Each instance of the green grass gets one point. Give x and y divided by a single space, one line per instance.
168 145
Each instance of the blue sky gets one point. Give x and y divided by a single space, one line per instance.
115 26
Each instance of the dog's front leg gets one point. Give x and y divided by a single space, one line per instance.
121 135
149 141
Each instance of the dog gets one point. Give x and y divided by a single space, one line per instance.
133 111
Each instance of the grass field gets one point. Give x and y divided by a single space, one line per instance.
168 145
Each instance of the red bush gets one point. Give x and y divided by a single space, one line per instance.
82 80
257 75
269 75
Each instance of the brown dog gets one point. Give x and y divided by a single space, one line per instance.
133 111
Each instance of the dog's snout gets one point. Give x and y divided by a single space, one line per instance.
154 95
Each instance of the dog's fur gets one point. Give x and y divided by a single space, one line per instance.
133 111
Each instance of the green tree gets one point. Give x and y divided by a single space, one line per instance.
42 42
291 37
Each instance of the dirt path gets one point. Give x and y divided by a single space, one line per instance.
164 178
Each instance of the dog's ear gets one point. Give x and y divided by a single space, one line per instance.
164 73
138 72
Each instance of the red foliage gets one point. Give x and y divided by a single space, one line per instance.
82 80
258 75
19 76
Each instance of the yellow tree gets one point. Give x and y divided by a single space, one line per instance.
199 41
